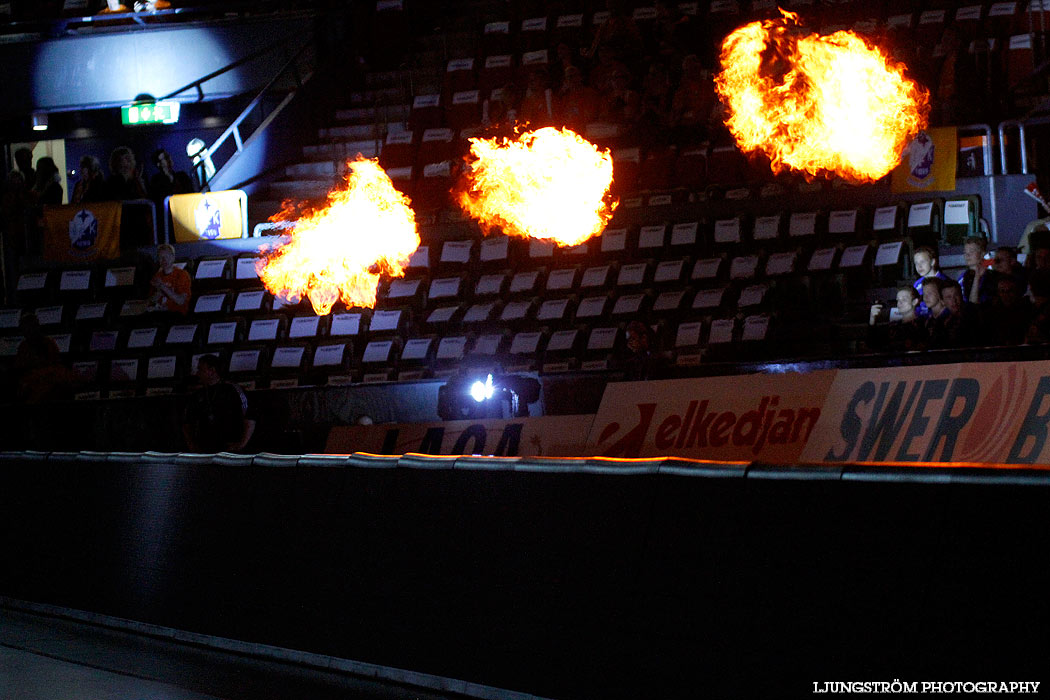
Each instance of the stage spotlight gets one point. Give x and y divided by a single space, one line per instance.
480 391
39 121
506 396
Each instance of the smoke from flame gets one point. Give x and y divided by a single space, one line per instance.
818 104
339 251
547 184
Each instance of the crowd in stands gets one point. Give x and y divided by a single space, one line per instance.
653 86
27 190
995 301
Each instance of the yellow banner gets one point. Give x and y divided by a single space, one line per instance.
929 162
79 232
206 216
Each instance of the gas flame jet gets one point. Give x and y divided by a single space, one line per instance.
547 184
339 252
820 105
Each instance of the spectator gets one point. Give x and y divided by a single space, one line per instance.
203 165
171 285
656 98
13 207
217 418
673 31
167 181
937 313
47 190
576 104
963 326
639 364
619 34
1039 290
1008 316
693 101
1005 264
905 333
502 106
537 106
621 105
601 74
566 60
928 267
91 187
977 285
38 365
24 161
125 176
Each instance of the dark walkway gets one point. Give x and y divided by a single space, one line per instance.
47 658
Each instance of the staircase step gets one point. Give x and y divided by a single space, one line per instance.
302 189
315 169
353 132
337 151
370 115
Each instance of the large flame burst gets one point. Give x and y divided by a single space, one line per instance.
548 184
339 252
818 104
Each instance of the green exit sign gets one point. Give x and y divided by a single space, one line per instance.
149 113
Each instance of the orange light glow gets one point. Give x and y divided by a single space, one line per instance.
339 251
818 104
548 184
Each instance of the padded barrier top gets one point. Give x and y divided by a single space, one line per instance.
912 472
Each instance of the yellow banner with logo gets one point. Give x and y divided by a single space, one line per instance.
929 162
79 232
206 216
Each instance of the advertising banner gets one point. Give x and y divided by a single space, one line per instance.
988 412
82 232
548 436
207 216
741 418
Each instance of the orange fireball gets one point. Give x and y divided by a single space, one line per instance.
340 251
818 104
548 184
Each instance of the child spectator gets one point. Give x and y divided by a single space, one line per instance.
537 106
171 285
928 267
621 105
977 285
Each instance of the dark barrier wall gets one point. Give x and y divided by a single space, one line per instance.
574 579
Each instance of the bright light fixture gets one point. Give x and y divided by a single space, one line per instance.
39 121
480 391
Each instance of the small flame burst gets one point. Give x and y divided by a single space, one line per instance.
339 251
820 105
547 184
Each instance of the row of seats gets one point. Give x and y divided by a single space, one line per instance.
290 365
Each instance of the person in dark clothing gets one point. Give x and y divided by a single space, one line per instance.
1006 319
640 361
125 177
24 161
47 189
938 316
167 181
962 328
91 187
217 418
909 333
977 281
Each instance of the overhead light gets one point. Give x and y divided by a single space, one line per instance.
480 391
39 121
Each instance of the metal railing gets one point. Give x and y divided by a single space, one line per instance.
290 67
